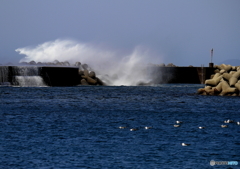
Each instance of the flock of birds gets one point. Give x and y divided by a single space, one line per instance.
178 124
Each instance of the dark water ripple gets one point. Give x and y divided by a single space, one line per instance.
77 127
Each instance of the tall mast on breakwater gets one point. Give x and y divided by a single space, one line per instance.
211 54
211 63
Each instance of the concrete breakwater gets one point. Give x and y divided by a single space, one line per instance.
50 76
73 76
190 75
225 81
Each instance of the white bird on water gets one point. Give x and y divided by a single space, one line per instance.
228 121
178 122
201 127
184 144
147 127
176 125
224 126
121 127
238 123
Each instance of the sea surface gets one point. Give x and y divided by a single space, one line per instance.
78 127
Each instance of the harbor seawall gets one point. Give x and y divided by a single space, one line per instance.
68 76
194 75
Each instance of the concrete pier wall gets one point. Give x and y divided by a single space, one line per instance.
68 76
60 76
195 75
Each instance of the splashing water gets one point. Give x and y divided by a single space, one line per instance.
111 67
28 77
30 81
64 50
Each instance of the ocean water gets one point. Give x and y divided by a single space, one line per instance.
78 127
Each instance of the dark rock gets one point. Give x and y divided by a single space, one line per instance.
100 82
77 64
92 74
66 63
24 63
84 82
85 66
80 72
39 63
86 73
32 63
84 77
144 83
91 81
171 65
56 62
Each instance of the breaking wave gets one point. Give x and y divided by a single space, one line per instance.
113 67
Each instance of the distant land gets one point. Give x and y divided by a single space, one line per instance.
233 62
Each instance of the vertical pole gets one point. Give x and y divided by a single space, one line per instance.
211 54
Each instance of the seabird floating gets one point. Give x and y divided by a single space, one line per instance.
224 126
178 122
184 144
228 121
122 127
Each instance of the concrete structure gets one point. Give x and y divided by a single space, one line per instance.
69 76
194 75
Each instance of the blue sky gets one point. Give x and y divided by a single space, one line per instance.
174 31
